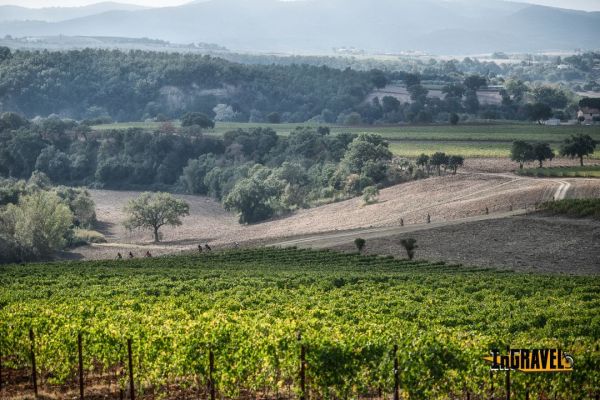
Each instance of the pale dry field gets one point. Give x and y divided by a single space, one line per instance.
402 94
445 198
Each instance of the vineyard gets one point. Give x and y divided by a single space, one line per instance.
239 323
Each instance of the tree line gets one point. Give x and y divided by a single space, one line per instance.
577 146
254 172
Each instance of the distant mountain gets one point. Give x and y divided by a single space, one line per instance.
317 26
57 14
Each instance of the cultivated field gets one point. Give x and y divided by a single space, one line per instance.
534 243
258 314
470 140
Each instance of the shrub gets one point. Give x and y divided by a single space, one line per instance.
409 245
360 244
81 237
370 194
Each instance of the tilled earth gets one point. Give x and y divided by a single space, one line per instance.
534 243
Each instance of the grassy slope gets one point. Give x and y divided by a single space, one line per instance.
563 172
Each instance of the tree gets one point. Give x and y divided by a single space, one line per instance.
554 98
418 93
38 225
474 82
390 104
591 102
378 78
578 146
454 119
454 90
153 211
439 159
454 162
367 147
542 152
197 119
360 244
516 89
409 245
274 118
255 198
423 161
538 112
370 194
521 152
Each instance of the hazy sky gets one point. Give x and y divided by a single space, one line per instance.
589 5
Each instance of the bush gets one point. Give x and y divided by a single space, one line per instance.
360 244
409 245
370 194
39 225
81 237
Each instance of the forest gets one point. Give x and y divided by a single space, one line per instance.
112 85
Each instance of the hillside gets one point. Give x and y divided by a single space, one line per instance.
449 200
310 26
57 14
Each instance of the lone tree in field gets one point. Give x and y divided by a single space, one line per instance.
360 244
521 152
578 146
454 162
542 152
409 245
153 211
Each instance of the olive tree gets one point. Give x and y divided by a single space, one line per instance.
521 152
153 211
542 152
437 160
578 146
454 162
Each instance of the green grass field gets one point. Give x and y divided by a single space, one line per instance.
249 306
476 140
592 171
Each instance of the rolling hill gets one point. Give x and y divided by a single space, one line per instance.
310 26
56 14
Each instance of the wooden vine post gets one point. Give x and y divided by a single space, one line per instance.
303 395
211 371
396 374
131 384
508 376
33 366
80 353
